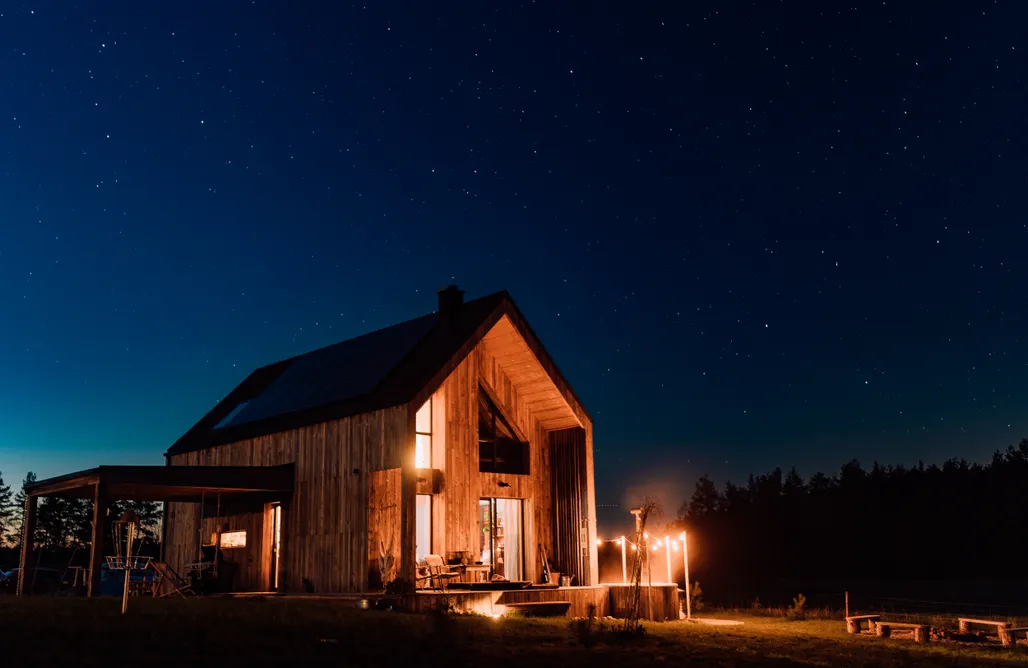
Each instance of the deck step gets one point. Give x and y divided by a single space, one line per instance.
540 608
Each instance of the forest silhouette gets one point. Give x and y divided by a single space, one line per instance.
890 525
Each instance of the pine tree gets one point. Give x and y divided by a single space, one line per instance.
19 504
7 511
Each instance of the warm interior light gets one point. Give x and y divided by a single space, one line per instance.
682 536
674 547
646 535
654 548
657 544
599 542
633 548
496 615
621 541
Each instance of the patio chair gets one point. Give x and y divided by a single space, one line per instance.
175 584
436 571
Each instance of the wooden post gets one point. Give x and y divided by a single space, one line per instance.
27 541
624 560
847 604
921 634
688 587
99 539
408 503
667 557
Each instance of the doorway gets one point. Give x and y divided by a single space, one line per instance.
501 537
276 543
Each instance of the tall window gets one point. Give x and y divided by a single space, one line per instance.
423 429
423 534
501 537
499 450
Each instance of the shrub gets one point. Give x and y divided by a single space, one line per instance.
697 597
399 587
798 609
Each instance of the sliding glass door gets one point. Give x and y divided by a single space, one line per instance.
501 537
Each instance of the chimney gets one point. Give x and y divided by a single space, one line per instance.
450 300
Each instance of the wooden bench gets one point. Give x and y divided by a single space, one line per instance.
884 630
853 623
1008 636
966 622
541 608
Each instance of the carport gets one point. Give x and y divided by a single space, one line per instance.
105 484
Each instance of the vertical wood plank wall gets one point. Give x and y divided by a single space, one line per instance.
455 508
325 522
570 548
384 506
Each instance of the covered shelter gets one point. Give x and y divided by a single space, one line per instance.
180 484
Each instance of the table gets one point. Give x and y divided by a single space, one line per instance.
476 573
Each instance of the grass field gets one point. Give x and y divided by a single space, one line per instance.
241 633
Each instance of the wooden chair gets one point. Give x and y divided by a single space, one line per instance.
435 570
165 574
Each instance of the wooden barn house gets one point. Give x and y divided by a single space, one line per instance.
453 434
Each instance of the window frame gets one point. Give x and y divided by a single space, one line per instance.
417 432
522 466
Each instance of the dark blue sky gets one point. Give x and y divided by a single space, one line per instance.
751 234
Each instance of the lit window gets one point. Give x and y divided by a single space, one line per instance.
233 539
423 437
423 534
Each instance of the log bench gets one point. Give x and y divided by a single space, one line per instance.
540 608
884 630
1008 635
853 623
966 622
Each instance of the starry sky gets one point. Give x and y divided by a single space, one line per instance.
752 234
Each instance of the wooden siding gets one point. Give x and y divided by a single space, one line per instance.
325 522
570 520
384 527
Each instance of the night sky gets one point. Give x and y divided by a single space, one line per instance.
751 234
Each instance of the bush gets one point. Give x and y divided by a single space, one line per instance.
399 587
798 609
697 597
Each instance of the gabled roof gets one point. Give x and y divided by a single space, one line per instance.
388 367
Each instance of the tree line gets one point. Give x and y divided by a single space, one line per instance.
65 523
957 520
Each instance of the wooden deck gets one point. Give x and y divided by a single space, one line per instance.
663 604
610 600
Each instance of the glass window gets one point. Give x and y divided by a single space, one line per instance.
234 412
499 450
423 438
233 539
423 534
501 537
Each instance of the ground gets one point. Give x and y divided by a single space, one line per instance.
300 634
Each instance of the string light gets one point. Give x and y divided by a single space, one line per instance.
599 543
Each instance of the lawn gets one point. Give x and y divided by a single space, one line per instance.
238 633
